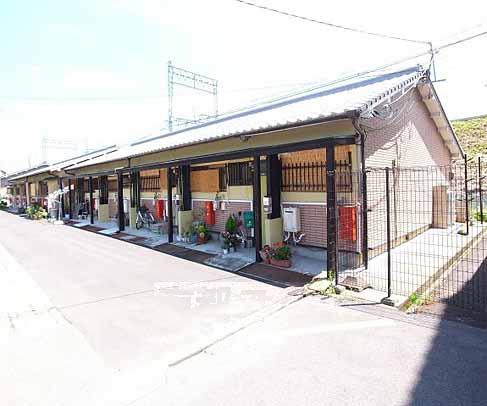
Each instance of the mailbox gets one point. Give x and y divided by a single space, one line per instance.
248 219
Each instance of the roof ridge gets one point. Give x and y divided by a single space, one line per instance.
289 100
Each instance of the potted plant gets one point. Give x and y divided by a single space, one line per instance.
231 224
265 254
234 242
202 234
226 239
281 256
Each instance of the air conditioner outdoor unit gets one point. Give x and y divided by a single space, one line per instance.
291 220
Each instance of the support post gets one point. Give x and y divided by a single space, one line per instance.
185 171
257 206
90 185
70 193
135 189
274 184
27 194
388 234
481 203
170 226
61 186
331 214
467 214
121 213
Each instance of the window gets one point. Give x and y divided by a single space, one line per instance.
239 174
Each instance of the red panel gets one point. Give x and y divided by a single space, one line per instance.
159 209
209 213
348 223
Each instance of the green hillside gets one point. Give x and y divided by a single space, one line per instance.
472 133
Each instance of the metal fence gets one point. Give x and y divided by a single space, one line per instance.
311 177
420 233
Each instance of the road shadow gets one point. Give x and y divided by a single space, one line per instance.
455 369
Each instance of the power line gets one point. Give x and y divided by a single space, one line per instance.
431 52
126 98
450 44
332 25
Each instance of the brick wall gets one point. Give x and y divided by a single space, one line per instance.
221 216
411 140
313 224
419 154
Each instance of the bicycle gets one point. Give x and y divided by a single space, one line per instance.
144 218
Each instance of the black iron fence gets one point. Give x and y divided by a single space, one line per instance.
150 183
311 177
418 233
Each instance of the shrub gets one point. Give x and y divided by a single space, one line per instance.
36 212
231 225
477 216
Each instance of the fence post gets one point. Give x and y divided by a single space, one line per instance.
466 194
365 234
331 215
481 203
388 231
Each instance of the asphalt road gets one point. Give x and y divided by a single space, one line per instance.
85 325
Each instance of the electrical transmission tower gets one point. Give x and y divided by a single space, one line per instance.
182 77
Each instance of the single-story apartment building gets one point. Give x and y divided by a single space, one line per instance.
294 169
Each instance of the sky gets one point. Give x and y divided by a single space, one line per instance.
93 73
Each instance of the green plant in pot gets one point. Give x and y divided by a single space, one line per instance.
231 224
202 233
281 256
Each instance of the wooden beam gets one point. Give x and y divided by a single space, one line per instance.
121 213
185 171
274 169
90 187
331 214
257 207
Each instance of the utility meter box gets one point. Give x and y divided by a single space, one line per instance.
291 220
267 204
248 217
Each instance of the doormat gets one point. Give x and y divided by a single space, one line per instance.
151 241
184 253
277 275
228 263
136 240
170 249
95 229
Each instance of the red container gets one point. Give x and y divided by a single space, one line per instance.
209 213
348 223
159 209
